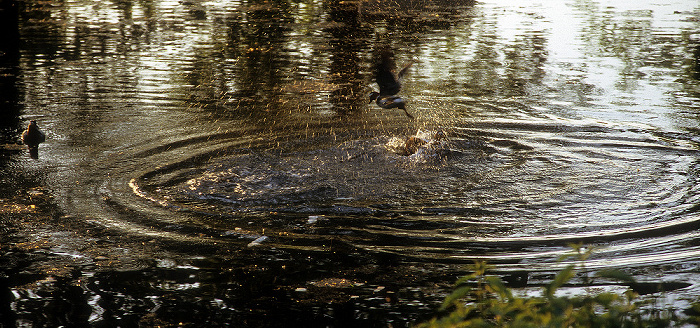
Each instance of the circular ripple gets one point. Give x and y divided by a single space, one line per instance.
514 193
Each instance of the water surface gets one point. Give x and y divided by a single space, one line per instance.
189 140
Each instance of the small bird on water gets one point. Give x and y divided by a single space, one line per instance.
389 85
32 136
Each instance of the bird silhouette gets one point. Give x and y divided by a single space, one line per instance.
32 137
389 85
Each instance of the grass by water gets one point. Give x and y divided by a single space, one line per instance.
483 300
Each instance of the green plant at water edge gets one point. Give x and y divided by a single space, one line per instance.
481 300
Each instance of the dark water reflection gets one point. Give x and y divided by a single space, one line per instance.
218 162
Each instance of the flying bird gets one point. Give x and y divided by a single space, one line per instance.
389 85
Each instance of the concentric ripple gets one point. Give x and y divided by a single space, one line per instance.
511 192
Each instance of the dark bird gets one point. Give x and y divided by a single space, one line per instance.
32 136
389 85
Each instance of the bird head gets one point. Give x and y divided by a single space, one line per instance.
373 96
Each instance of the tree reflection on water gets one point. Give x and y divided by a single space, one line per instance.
157 78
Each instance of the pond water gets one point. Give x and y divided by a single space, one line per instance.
224 154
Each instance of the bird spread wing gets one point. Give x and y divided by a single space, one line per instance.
403 71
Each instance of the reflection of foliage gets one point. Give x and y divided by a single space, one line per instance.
694 313
631 37
482 300
525 62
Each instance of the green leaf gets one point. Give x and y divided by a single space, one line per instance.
466 279
480 268
499 287
560 279
455 297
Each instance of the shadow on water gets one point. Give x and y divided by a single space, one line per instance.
9 59
217 163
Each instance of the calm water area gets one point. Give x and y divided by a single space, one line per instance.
215 163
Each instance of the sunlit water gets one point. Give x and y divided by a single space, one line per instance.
217 123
